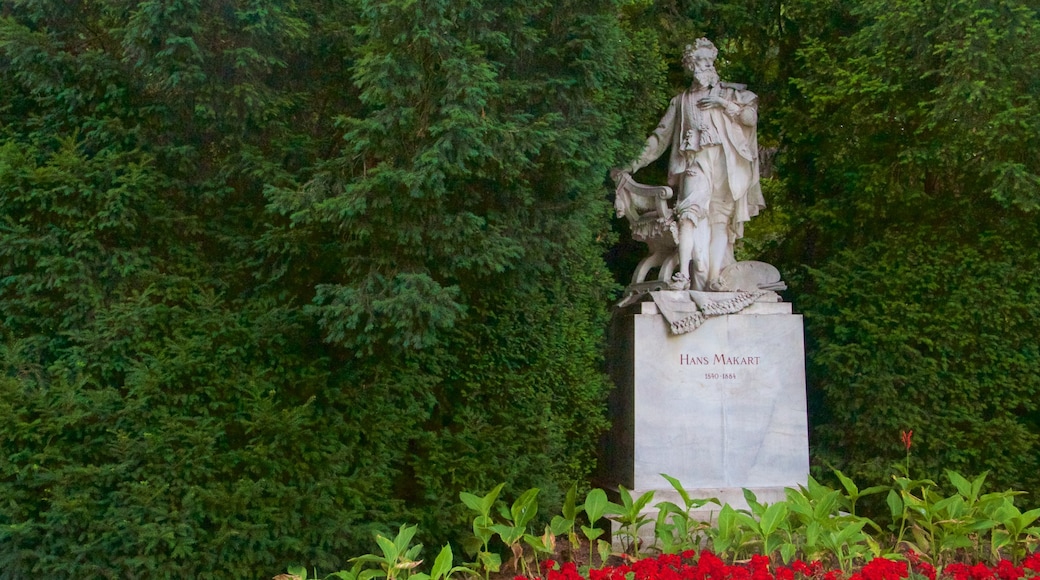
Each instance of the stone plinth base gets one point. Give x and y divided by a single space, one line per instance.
720 409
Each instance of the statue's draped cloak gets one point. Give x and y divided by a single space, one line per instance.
739 143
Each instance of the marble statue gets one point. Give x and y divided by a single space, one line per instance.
713 165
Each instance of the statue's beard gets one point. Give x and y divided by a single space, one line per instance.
706 77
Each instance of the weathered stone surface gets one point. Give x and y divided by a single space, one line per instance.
721 408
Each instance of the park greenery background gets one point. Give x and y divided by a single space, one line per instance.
277 274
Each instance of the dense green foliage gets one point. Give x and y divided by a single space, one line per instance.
912 147
276 274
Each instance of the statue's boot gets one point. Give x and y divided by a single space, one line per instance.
679 281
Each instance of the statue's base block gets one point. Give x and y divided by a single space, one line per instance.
720 409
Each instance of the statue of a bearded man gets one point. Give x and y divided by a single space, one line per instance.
713 167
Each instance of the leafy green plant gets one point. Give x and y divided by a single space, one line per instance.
676 529
938 526
631 518
1016 531
846 542
595 506
809 523
477 544
769 523
354 573
518 516
728 538
398 557
907 509
943 528
564 523
811 508
442 569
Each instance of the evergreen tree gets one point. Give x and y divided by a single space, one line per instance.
908 144
275 275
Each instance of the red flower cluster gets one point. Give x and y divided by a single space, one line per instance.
707 566
688 566
882 569
1032 562
1005 570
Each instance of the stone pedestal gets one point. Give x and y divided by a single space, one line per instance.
720 409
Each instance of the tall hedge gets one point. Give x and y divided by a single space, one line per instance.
910 153
276 275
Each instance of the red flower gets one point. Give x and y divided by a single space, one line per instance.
957 570
1007 571
981 572
669 560
965 572
1032 562
802 568
884 569
926 570
568 572
907 437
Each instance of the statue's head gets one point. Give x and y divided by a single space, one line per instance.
699 59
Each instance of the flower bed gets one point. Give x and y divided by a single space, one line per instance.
707 566
969 535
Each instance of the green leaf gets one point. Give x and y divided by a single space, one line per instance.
489 500
677 486
590 532
560 525
643 500
509 534
404 538
472 502
569 510
846 534
752 501
525 508
442 564
895 505
389 548
490 561
370 574
604 550
773 516
963 486
595 504
827 505
848 484
626 501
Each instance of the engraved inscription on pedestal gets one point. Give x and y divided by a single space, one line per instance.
722 407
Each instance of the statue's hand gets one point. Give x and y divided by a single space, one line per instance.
615 174
712 102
